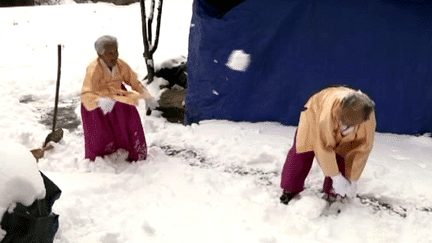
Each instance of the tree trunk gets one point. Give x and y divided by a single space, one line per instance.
147 32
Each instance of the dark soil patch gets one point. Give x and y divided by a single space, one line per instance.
66 118
195 159
25 99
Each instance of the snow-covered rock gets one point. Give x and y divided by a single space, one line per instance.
20 179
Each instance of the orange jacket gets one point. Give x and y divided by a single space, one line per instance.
101 82
319 130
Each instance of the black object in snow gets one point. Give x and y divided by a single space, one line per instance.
35 223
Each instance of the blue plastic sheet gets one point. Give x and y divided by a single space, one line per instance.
298 47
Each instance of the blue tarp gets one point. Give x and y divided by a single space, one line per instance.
298 47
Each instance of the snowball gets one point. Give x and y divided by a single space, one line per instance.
309 206
20 179
238 60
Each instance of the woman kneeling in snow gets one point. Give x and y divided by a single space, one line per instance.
110 118
337 126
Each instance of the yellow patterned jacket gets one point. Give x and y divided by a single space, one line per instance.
100 81
320 131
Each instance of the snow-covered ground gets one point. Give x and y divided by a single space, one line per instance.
216 181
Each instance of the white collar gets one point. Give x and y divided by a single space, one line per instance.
112 73
346 130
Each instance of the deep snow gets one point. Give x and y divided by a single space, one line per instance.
216 181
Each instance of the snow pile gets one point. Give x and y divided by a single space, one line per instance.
20 179
310 206
171 63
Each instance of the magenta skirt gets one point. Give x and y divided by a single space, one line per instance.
120 128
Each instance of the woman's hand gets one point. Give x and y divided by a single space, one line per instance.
341 185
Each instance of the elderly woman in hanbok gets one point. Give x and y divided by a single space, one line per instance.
110 118
337 126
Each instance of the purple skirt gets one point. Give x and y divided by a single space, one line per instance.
120 128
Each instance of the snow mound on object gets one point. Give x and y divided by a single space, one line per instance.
20 179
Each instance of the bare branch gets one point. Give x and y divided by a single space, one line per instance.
150 21
144 29
154 47
152 7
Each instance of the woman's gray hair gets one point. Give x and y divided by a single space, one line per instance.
358 100
102 41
